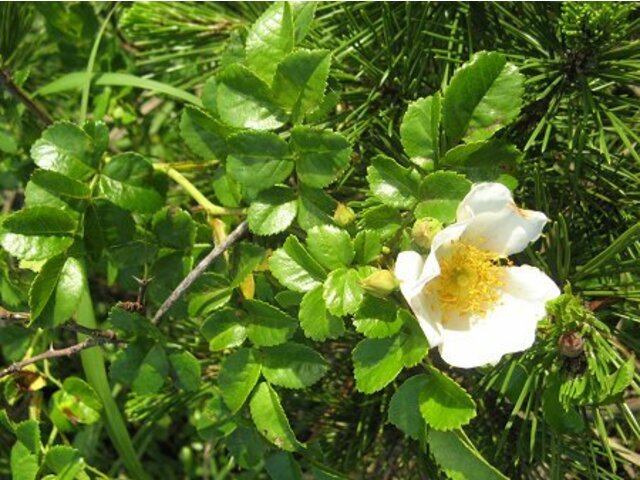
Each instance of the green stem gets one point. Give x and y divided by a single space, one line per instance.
94 369
196 194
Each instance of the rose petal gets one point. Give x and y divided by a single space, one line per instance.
483 198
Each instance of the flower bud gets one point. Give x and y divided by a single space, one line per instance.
424 230
571 344
380 283
343 215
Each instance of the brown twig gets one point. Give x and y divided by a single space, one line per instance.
7 80
199 270
7 317
62 352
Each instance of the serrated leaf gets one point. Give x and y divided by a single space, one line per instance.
441 193
24 465
377 318
300 81
320 155
392 184
443 403
315 207
268 325
404 408
419 130
316 322
55 292
247 257
270 419
330 246
223 330
272 211
303 13
487 161
60 185
342 292
77 402
40 220
484 95
282 466
127 181
295 268
205 135
174 228
152 372
383 219
60 457
292 365
270 39
376 362
246 101
367 246
28 433
186 370
258 159
210 96
460 460
65 148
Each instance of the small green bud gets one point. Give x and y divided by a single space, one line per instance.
343 215
380 283
424 230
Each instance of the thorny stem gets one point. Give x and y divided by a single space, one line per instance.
199 270
7 80
196 194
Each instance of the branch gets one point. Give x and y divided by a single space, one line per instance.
7 317
199 270
7 80
63 352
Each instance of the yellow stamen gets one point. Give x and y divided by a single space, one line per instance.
469 282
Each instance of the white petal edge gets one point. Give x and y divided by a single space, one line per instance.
483 198
530 283
510 327
505 232
441 242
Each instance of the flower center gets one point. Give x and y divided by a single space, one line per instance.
469 282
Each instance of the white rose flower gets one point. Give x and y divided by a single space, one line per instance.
472 304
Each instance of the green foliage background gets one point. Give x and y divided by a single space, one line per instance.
185 386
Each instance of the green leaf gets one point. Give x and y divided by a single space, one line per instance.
55 292
377 318
65 148
186 369
404 408
238 375
282 466
487 161
315 207
258 159
204 135
331 246
174 228
37 233
7 143
247 257
292 365
127 181
383 219
367 245
62 458
561 419
270 419
484 95
460 459
246 101
376 362
24 465
441 192
59 185
77 402
295 268
316 322
272 211
443 403
342 292
392 184
419 130
303 13
320 155
300 81
152 372
28 433
270 39
223 330
268 325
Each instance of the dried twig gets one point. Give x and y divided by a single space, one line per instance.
7 317
199 270
7 80
90 342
